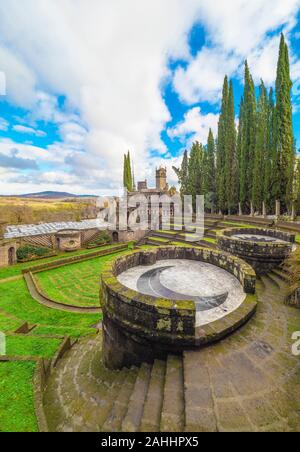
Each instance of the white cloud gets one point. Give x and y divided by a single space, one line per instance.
4 125
236 30
195 126
203 79
28 130
109 60
240 26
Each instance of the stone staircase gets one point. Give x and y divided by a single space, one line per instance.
243 383
83 396
161 238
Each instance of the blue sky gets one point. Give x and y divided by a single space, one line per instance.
82 85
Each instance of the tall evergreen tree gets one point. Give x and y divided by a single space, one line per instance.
231 161
297 187
261 154
210 170
284 128
270 163
196 171
183 174
221 150
248 134
239 146
127 173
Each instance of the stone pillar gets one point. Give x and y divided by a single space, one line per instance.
264 210
277 213
252 210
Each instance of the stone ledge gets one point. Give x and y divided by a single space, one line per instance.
131 318
262 256
219 329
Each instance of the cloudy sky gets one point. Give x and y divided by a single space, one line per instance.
83 81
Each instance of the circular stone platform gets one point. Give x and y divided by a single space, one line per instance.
169 299
263 249
258 238
214 291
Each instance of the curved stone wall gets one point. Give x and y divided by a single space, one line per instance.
262 256
141 328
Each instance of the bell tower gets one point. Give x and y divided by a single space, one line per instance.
161 179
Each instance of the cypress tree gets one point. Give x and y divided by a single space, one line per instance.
210 170
284 128
247 147
297 186
127 173
239 147
261 154
196 171
231 163
221 151
183 174
270 163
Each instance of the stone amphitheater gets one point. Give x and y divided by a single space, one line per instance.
248 381
191 339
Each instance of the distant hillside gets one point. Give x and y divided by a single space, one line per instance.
53 195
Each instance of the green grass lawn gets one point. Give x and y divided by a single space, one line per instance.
240 225
76 284
80 283
159 239
29 345
16 300
210 240
16 270
298 238
16 397
168 232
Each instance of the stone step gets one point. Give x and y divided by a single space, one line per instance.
278 281
270 285
155 397
282 274
133 413
173 417
199 408
153 242
114 420
81 391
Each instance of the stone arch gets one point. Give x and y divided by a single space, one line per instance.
115 237
11 255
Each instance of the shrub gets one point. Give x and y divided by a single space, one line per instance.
26 252
102 239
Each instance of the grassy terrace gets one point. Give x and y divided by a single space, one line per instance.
16 397
16 270
76 284
17 307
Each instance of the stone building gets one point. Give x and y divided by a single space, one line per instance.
8 253
161 188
